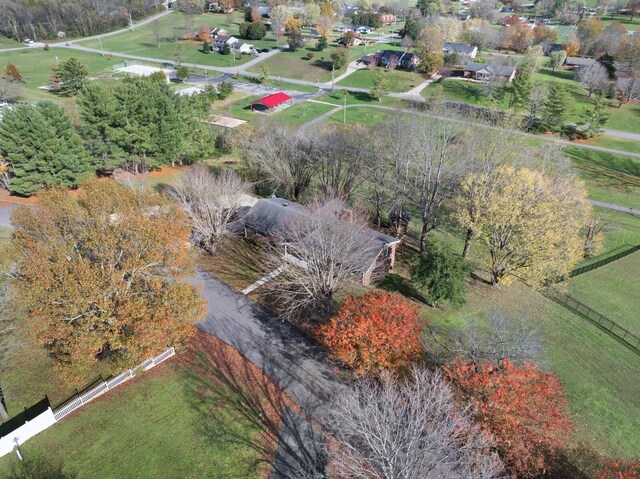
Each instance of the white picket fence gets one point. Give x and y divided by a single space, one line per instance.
49 417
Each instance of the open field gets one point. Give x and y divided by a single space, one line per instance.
610 291
599 374
35 66
611 178
401 81
301 113
615 143
169 422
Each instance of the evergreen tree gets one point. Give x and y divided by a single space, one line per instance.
596 117
206 47
182 72
381 85
42 148
322 43
226 49
225 90
69 77
521 91
556 107
609 63
411 29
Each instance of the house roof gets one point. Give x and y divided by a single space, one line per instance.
225 39
402 56
490 68
268 215
459 48
579 61
272 100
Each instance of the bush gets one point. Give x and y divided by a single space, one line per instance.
253 30
225 90
378 331
339 58
311 56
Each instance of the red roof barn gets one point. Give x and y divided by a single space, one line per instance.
271 101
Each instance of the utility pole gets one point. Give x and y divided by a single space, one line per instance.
102 49
344 110
333 80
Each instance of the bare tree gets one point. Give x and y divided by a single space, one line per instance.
288 160
593 77
502 337
408 429
627 89
10 91
211 202
317 250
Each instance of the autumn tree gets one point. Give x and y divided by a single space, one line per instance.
523 407
210 201
102 275
11 73
408 428
69 77
518 37
380 330
528 221
429 49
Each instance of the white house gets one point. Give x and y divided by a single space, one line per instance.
461 49
222 40
243 48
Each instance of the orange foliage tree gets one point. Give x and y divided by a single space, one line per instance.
619 470
377 331
521 406
102 275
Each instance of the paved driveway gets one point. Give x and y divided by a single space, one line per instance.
294 363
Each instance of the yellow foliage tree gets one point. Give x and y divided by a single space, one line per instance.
292 25
103 275
530 223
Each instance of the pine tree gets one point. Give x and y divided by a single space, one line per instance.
322 43
69 77
381 85
556 107
521 91
596 117
42 148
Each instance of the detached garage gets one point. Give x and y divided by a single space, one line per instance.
270 102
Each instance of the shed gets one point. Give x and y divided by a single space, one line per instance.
271 101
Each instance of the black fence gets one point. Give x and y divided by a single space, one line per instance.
27 415
602 262
618 332
87 387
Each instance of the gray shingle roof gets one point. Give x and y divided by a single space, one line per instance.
579 61
459 48
490 68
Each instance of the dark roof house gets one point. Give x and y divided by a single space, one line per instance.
394 58
579 62
270 215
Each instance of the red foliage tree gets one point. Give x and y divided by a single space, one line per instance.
620 470
377 331
523 407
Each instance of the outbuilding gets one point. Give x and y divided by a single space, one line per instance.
270 101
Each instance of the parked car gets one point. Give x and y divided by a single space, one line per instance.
264 50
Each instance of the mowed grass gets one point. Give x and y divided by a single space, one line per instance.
610 291
163 40
615 143
35 66
610 178
150 427
400 80
600 375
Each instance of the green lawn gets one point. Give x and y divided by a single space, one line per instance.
281 84
150 427
35 66
301 113
610 291
9 43
401 81
599 374
611 178
616 143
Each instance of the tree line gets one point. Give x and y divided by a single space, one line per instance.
135 125
42 20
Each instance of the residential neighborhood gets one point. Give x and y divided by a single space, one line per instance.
328 240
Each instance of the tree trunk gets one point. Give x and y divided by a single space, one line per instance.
467 243
423 236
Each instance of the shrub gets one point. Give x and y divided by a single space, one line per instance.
377 331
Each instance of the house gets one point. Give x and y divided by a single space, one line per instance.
462 49
388 19
243 48
357 40
219 31
489 71
221 40
575 63
363 30
269 215
549 48
395 59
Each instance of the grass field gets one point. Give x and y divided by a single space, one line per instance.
35 67
609 289
400 80
158 425
611 178
599 374
615 143
301 113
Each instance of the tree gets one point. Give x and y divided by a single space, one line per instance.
295 40
311 14
522 407
279 16
378 331
42 148
11 73
210 201
322 43
206 47
430 7
556 107
136 124
518 37
102 275
225 89
10 91
596 117
348 38
226 49
556 59
634 8
381 85
253 30
265 73
69 77
594 78
429 49
182 73
528 221
411 29
544 34
441 273
340 57
408 428
293 25
609 64
588 32
324 26
521 91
